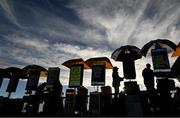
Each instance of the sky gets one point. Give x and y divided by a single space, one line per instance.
50 32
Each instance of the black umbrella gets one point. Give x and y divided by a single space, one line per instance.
1 76
72 62
32 68
1 72
127 52
158 43
12 71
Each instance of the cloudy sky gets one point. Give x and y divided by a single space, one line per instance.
50 32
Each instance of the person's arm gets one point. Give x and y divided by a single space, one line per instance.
121 78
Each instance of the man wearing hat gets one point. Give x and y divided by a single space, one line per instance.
116 80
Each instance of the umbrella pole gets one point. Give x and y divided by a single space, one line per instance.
75 89
74 98
9 94
97 88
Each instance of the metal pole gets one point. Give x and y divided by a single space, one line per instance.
9 94
97 88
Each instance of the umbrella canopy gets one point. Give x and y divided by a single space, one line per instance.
177 51
1 76
30 68
127 52
43 73
175 70
12 71
100 60
158 43
72 62
1 72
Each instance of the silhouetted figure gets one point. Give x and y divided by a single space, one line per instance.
53 103
32 107
116 81
38 97
148 76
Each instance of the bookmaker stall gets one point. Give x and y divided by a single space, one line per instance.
76 67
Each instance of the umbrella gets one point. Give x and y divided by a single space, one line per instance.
1 76
1 72
158 43
72 62
43 74
177 51
100 60
12 71
127 52
175 70
30 68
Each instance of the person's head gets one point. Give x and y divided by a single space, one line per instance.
115 68
148 65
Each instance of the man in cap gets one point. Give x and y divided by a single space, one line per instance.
116 81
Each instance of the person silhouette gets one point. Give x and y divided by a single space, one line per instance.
38 97
54 103
33 105
148 76
116 81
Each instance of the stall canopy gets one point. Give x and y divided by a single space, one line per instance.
76 67
72 62
99 60
98 66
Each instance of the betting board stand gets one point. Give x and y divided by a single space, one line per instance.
75 81
97 79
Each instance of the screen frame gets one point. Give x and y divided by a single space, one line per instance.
164 68
72 81
50 82
94 81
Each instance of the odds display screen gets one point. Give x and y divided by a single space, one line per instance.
98 75
160 62
76 75
53 75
